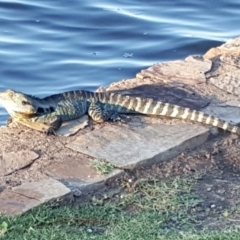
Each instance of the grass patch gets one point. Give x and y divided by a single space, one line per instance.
145 210
102 166
161 196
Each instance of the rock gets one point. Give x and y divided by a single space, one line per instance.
225 72
189 71
228 81
70 169
13 161
94 183
29 195
228 113
78 175
127 147
233 103
231 45
72 127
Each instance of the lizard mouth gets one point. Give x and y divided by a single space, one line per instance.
24 115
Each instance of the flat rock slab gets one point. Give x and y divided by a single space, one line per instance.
233 103
79 175
70 169
13 161
72 127
28 195
94 183
127 147
225 111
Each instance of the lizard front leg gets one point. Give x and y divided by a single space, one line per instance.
46 123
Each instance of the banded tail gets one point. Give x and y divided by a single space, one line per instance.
146 106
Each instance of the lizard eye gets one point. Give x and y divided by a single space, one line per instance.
25 103
10 94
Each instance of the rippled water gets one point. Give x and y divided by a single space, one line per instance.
52 46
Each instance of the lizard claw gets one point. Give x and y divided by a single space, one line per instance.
50 131
9 121
120 118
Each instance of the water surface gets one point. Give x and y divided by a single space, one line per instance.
48 47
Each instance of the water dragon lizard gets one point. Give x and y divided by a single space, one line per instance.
47 114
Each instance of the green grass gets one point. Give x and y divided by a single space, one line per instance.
146 210
102 166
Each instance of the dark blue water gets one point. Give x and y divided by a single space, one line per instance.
48 47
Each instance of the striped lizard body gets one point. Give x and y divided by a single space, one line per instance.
47 114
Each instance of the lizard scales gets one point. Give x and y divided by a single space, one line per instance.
102 106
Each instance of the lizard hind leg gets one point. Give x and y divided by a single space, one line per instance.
99 115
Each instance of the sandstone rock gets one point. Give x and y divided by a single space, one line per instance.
228 81
29 195
224 112
72 127
225 72
127 147
189 71
79 175
13 161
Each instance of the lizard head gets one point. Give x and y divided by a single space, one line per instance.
17 104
